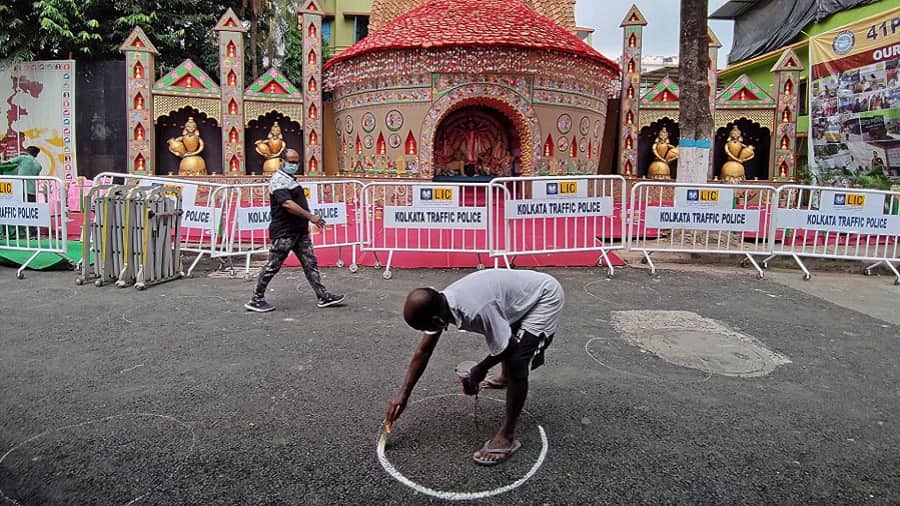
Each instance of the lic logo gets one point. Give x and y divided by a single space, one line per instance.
695 195
849 199
436 194
562 187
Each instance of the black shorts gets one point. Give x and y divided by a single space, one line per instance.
526 353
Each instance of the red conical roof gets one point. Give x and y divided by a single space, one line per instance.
455 23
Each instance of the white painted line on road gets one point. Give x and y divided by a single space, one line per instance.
459 496
91 422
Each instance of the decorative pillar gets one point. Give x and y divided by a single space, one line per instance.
784 141
231 78
713 79
140 70
632 41
311 30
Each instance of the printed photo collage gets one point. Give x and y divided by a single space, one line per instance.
855 120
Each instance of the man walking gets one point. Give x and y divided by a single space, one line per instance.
289 231
518 313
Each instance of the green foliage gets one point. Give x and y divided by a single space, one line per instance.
292 63
874 179
180 29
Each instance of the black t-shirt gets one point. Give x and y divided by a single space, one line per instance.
285 224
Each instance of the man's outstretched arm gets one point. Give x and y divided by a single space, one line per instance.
416 367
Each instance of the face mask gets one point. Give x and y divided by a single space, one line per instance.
291 167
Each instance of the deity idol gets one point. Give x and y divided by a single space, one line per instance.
738 153
271 149
665 153
188 147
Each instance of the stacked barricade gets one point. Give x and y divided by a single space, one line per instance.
247 212
33 216
543 215
426 218
102 233
837 223
202 226
730 219
131 236
152 243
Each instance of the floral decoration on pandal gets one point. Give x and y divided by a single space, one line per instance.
594 78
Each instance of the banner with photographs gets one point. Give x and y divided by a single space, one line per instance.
855 102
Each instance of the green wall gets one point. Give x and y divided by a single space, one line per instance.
759 71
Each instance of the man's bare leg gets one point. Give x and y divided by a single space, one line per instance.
516 393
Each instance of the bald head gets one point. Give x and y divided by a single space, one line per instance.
291 155
424 309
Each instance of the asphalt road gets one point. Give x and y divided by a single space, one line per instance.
176 395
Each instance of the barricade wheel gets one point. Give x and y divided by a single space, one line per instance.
20 275
79 281
339 263
354 268
480 267
387 275
759 275
807 277
98 283
377 264
867 272
765 265
140 286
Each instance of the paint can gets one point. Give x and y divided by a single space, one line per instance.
463 369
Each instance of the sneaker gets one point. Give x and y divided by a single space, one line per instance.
330 300
259 306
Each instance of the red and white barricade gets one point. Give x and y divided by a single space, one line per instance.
557 214
248 213
426 218
203 203
731 219
33 216
838 223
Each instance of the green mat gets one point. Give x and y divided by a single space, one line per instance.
44 261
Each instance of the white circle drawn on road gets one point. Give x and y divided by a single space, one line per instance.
91 422
459 496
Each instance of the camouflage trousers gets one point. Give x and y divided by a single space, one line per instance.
303 248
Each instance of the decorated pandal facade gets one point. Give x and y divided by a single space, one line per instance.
187 124
754 135
447 89
461 88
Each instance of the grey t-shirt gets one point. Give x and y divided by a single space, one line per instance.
492 301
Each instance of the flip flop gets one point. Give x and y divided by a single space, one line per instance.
508 452
491 382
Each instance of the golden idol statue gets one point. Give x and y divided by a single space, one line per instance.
738 153
271 148
188 147
665 154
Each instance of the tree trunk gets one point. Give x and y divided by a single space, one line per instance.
695 121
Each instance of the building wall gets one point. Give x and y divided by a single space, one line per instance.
759 69
343 29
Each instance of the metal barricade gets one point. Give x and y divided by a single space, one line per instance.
33 216
247 212
105 236
202 225
837 223
706 218
557 214
156 232
425 218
